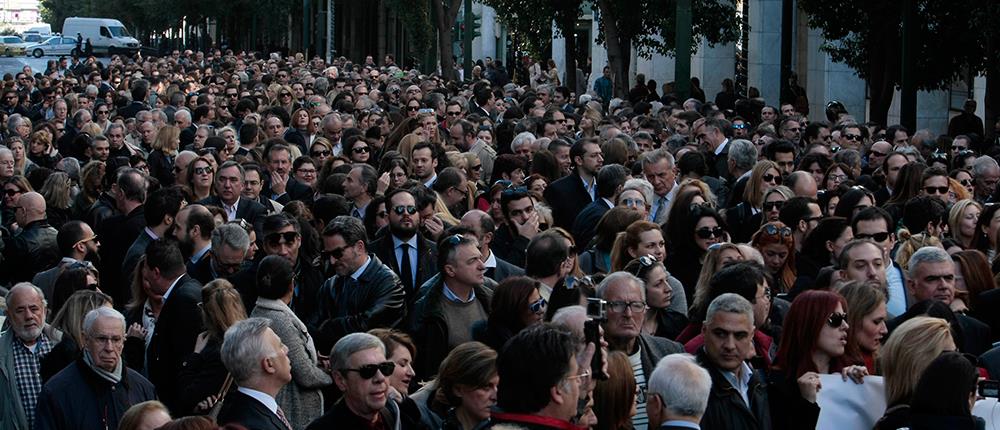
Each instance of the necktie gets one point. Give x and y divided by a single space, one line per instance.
661 204
356 213
281 416
405 270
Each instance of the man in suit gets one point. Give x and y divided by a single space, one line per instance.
740 161
229 183
360 187
480 224
713 135
253 184
78 245
179 322
678 394
360 369
258 361
364 294
193 231
119 232
230 243
570 194
279 184
659 169
139 92
160 212
404 249
610 181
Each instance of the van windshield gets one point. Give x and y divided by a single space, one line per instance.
119 32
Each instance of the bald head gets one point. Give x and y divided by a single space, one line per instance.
802 184
482 223
33 205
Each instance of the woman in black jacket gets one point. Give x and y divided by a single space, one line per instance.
516 304
161 159
690 229
945 394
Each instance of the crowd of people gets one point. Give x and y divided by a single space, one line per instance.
266 242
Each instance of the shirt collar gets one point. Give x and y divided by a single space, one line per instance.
262 397
172 285
357 273
744 379
679 423
722 147
430 182
491 261
200 253
451 296
610 203
152 234
412 242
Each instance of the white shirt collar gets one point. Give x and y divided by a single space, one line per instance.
722 147
412 242
361 269
151 233
172 285
491 261
430 182
610 203
200 253
262 397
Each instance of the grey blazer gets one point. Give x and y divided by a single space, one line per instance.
12 416
301 399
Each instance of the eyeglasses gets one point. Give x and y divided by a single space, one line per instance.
709 233
368 371
275 239
769 177
619 307
634 203
455 113
739 126
769 206
878 237
773 230
966 182
538 307
401 209
323 153
10 192
89 239
360 150
476 167
836 319
873 153
838 178
853 137
936 190
203 171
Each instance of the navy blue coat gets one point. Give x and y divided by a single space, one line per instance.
77 398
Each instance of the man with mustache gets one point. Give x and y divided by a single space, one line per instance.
22 349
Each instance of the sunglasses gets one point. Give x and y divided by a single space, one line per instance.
323 153
454 239
966 182
512 191
401 209
936 190
836 319
769 206
203 170
853 137
454 113
361 150
708 233
538 307
12 192
334 253
645 262
412 108
769 177
876 154
368 371
276 239
878 237
773 230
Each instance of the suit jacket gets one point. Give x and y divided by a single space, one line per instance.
718 165
173 339
136 251
567 197
117 235
586 222
503 270
132 109
239 408
375 300
249 210
12 416
426 263
294 190
301 399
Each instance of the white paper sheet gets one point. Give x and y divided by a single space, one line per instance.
846 405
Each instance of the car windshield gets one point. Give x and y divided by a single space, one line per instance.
119 31
32 38
52 41
12 39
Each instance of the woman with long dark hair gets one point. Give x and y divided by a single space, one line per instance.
516 304
690 235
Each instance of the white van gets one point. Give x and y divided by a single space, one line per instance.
106 35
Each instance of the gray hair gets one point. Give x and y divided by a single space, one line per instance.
116 125
743 153
731 303
182 113
615 278
232 236
642 186
653 157
982 165
683 385
101 312
13 121
571 317
243 347
521 139
348 345
208 129
5 151
927 254
91 90
8 299
915 153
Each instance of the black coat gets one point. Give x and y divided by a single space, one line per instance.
426 263
429 328
567 197
585 224
789 410
132 109
726 408
161 167
345 306
117 234
202 375
239 408
248 210
510 246
294 190
341 417
177 328
503 270
31 251
77 398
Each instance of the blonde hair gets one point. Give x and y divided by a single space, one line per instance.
908 244
167 139
910 349
221 307
955 218
134 416
708 269
706 191
752 193
69 320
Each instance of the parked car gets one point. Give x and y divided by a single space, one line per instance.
55 45
12 45
106 35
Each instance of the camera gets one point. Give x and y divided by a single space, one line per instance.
989 388
595 309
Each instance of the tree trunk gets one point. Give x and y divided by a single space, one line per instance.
445 22
884 64
567 27
617 48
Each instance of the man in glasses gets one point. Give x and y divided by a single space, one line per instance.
739 397
78 246
450 303
282 236
360 370
10 104
932 277
229 247
258 362
877 154
363 294
625 297
404 249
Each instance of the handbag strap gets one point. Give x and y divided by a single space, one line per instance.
228 383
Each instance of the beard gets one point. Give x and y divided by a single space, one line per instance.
187 247
27 334
402 231
93 256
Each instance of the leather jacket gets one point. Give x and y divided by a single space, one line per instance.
344 305
32 251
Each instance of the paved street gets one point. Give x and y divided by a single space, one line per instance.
14 64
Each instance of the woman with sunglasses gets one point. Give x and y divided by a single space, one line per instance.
302 398
464 392
962 220
774 200
661 320
321 150
812 344
775 242
412 108
745 218
358 149
691 232
201 176
13 189
516 304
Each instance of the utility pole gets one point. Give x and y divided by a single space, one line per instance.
467 40
682 63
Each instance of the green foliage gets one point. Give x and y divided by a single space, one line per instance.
416 19
652 30
529 20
